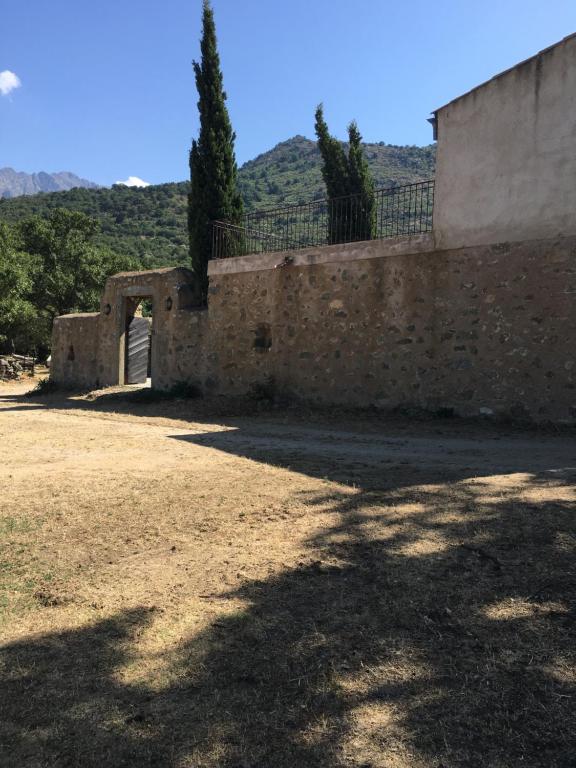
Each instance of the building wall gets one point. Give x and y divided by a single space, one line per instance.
506 155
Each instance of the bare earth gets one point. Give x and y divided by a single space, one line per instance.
192 584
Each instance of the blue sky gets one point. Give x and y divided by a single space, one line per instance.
107 89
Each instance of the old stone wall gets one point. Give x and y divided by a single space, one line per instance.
479 330
167 289
488 329
99 339
75 342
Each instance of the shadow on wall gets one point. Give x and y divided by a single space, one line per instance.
432 625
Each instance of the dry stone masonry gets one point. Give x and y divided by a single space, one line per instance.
489 329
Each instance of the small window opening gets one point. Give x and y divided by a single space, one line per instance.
262 337
189 297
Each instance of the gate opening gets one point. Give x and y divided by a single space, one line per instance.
138 341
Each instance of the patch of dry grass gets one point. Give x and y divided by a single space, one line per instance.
248 592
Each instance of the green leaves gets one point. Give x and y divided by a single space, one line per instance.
334 163
362 185
214 194
17 313
49 266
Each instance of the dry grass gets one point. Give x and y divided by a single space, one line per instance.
181 586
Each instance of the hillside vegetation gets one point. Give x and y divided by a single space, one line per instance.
149 225
50 266
291 172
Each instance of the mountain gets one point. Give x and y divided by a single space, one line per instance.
150 223
14 183
290 173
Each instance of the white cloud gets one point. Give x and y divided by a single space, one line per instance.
133 181
8 82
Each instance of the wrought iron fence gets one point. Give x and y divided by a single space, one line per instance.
405 210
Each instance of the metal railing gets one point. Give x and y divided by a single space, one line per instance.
391 212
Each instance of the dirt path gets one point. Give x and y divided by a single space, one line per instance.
180 587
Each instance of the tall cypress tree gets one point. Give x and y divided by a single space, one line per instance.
349 184
334 163
213 173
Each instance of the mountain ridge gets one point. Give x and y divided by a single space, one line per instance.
17 183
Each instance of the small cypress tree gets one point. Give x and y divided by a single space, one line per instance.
349 184
213 173
362 185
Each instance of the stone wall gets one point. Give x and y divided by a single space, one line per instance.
98 339
75 353
167 289
479 330
488 329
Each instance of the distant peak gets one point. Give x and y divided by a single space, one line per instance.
298 139
16 183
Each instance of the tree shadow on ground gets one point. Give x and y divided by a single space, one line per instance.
136 401
432 624
147 403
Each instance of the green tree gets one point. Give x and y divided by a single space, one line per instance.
50 266
349 184
18 316
363 207
334 162
214 193
71 269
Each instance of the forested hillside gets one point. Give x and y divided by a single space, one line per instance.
291 172
149 224
146 224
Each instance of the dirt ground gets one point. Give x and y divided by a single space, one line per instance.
216 585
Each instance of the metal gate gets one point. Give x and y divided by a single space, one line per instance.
137 349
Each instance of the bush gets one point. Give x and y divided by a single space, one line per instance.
44 387
180 391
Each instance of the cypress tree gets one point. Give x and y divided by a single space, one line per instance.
334 163
361 185
213 173
349 184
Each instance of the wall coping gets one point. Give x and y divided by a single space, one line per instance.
325 254
161 271
74 315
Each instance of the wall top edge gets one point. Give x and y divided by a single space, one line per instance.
162 271
73 315
326 254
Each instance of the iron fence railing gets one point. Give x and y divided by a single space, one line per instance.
405 210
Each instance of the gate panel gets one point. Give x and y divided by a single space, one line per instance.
137 346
